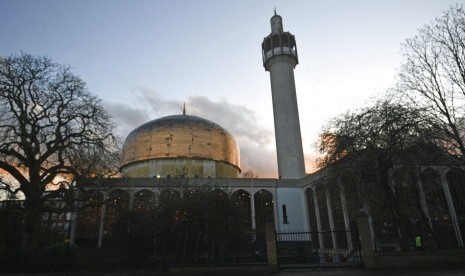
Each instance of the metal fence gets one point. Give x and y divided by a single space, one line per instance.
304 249
181 250
407 237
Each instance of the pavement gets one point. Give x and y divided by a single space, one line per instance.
261 272
361 272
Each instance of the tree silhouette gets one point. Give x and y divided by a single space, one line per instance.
49 125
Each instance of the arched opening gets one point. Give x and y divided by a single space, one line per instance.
264 214
241 199
88 219
116 223
144 200
264 211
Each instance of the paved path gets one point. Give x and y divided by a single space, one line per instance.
316 272
353 272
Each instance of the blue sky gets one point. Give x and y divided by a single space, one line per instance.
145 58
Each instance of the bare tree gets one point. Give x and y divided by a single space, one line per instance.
49 126
433 75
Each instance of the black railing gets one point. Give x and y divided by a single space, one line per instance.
304 249
407 237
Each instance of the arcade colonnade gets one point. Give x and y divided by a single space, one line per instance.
135 194
331 203
334 203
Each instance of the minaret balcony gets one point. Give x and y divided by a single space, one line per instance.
279 44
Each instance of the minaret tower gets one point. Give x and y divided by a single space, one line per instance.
279 52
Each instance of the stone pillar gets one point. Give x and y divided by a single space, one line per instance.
274 201
366 240
450 205
271 249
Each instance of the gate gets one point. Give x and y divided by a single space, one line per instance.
303 249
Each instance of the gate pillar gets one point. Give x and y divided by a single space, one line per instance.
366 241
271 249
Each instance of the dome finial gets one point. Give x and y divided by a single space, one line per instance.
275 11
184 109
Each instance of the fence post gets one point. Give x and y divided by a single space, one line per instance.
271 250
366 240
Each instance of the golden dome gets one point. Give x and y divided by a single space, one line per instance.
180 137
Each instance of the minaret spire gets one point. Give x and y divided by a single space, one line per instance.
184 109
279 52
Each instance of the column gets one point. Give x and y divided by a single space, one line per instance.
252 209
102 223
131 199
330 217
423 205
450 205
345 214
318 220
72 234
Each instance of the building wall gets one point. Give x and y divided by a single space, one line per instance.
175 167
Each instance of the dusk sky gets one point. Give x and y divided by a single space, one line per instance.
144 59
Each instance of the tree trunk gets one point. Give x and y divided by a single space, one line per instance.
30 243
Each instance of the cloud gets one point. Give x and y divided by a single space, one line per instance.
126 117
256 142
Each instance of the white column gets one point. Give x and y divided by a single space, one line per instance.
423 205
252 209
450 204
131 199
370 222
345 214
330 216
102 224
72 234
318 220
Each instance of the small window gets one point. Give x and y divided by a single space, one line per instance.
285 221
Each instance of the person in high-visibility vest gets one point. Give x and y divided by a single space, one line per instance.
418 242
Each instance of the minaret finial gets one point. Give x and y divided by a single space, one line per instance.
275 11
184 109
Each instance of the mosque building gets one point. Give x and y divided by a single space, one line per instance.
206 154
159 151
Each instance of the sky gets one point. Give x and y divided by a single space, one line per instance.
145 58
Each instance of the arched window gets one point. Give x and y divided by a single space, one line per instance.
117 206
241 199
144 200
88 219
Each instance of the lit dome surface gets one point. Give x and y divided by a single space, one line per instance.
180 143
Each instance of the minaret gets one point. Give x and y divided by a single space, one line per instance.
279 52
